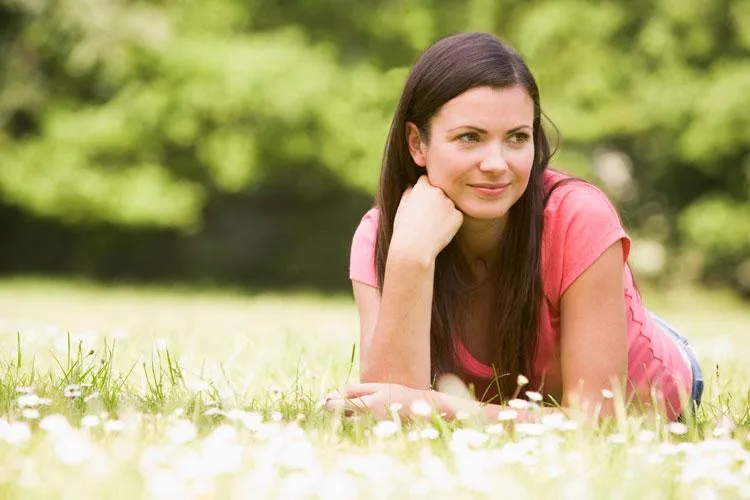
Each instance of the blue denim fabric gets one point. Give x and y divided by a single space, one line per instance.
697 390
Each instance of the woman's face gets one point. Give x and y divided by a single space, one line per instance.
480 150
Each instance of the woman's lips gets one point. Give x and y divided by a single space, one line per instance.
490 189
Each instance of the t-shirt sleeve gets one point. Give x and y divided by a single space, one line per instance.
362 259
582 224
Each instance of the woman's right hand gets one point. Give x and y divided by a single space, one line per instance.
426 221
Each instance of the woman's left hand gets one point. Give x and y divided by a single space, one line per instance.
381 400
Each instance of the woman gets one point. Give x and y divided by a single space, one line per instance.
480 261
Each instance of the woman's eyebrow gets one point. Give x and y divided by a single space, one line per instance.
483 131
520 127
471 127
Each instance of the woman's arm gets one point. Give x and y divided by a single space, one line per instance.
593 337
593 352
395 329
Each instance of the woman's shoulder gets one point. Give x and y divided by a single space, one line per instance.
368 224
362 256
372 214
567 195
580 223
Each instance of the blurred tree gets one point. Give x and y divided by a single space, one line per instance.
144 113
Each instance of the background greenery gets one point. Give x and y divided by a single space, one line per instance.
239 141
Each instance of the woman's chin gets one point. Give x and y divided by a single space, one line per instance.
484 214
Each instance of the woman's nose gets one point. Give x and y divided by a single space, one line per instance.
494 159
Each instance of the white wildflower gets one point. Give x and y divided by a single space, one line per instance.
111 426
73 448
72 391
507 414
55 424
518 404
421 408
616 439
30 413
166 484
568 425
198 386
654 459
646 436
534 396
668 449
429 433
297 455
90 421
553 419
236 415
463 438
224 433
720 432
28 401
461 415
607 394
252 421
14 433
530 429
521 380
338 485
276 416
221 456
385 428
724 427
182 431
494 429
276 392
677 428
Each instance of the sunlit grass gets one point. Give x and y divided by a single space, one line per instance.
175 393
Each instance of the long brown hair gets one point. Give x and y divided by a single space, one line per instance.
448 68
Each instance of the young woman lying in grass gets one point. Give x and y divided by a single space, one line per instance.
480 261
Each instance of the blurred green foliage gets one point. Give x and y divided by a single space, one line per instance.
139 113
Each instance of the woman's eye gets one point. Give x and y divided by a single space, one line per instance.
519 138
469 137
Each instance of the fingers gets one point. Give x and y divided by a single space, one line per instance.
349 406
424 180
358 390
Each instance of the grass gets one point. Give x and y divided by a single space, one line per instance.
175 393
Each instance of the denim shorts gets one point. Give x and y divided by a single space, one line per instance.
697 389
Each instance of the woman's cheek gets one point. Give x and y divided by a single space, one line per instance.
523 161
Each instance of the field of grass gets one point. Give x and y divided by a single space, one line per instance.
118 392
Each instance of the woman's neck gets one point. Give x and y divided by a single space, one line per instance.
478 241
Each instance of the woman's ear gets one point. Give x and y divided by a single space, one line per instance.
416 145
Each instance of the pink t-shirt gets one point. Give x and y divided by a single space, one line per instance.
580 223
